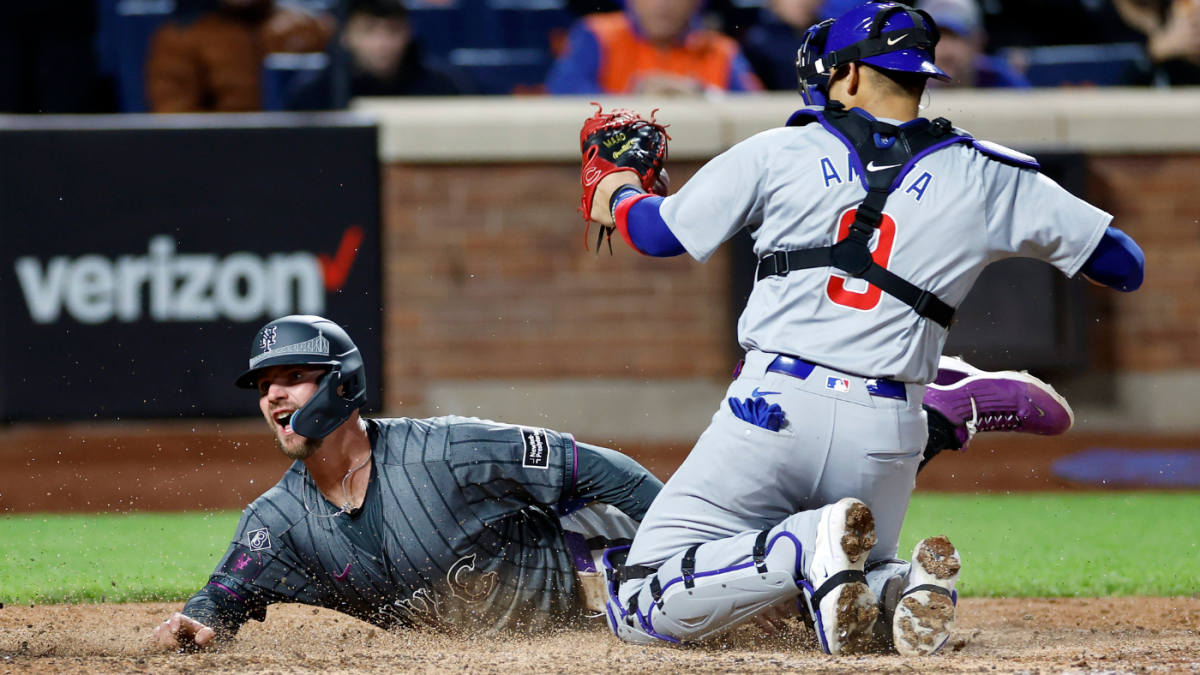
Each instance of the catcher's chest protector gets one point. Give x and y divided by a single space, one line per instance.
883 155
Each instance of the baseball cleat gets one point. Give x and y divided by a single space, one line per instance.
924 616
844 607
974 400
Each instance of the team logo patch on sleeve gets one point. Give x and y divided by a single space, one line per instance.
536 449
837 384
242 564
258 539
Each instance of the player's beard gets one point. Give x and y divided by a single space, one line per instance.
296 446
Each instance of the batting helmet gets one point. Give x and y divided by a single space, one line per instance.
312 340
887 35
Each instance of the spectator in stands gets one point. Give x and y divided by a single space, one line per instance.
653 47
47 62
771 46
1172 29
960 51
215 63
384 60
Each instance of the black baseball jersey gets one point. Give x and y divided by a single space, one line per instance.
458 528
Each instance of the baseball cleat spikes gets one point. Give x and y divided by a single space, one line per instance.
925 615
844 607
975 401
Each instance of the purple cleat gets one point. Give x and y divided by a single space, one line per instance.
974 400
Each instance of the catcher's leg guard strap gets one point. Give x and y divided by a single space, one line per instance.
695 603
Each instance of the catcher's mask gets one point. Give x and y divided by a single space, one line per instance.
312 340
859 35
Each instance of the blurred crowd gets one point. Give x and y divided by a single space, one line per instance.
81 56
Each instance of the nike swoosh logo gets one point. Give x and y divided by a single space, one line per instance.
344 575
871 166
1041 413
894 41
756 393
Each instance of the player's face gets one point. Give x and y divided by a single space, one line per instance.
282 390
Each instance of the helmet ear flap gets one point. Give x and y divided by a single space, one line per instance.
809 54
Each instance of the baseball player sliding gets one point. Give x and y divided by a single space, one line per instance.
870 224
448 521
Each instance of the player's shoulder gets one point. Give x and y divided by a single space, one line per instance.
780 138
989 151
280 507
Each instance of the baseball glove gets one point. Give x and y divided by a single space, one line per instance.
621 140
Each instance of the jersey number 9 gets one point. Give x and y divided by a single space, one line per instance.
843 289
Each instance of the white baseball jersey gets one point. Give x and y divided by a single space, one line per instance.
955 212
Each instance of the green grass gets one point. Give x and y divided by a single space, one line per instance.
111 557
1047 544
1066 544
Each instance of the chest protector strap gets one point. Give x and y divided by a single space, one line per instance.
883 154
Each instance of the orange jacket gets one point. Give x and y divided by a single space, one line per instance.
215 64
625 57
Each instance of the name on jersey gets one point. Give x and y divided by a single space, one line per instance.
536 449
916 186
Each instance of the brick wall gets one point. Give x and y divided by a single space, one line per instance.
1156 200
487 277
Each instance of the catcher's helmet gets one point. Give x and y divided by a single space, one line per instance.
887 35
312 340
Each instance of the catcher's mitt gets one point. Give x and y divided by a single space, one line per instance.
621 140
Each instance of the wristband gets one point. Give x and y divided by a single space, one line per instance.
622 193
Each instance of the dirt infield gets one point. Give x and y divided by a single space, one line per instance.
195 465
1127 635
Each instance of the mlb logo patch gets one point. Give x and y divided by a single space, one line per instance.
837 384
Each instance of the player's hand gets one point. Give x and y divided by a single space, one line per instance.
604 192
181 631
776 619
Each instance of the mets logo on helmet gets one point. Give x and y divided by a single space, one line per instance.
268 339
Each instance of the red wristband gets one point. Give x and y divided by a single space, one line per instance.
621 218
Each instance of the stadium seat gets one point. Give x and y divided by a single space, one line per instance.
1096 65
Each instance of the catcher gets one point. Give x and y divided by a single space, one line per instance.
870 224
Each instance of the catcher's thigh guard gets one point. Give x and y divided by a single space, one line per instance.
709 588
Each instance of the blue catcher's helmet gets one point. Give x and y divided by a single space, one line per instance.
887 35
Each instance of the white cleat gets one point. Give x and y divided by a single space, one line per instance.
844 607
925 614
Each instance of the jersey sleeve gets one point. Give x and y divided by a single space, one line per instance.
502 469
257 570
724 196
1028 215
609 477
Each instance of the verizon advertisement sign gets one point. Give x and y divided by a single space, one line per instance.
139 263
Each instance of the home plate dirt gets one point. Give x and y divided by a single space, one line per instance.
1040 637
